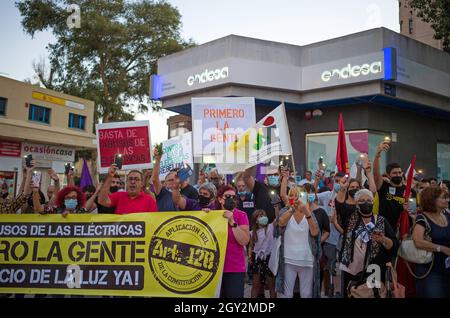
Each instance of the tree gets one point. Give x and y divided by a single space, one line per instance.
110 58
437 14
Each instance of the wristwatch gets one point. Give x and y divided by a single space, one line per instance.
438 248
234 224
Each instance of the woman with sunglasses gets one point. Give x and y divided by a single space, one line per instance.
233 278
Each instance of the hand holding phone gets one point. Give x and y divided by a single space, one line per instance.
36 179
303 197
67 168
118 161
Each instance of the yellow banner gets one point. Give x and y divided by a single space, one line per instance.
48 98
162 254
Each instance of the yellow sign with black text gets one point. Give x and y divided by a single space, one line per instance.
162 254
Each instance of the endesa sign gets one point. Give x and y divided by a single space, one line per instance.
129 139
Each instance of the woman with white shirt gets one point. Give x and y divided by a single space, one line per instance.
259 248
298 229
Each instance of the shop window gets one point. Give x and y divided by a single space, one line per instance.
77 121
443 161
39 113
3 106
325 144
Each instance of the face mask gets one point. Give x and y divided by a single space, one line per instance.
365 209
71 204
352 192
337 187
203 201
263 220
273 180
397 180
311 197
113 189
292 184
243 193
229 204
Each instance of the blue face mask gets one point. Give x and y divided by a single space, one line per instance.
273 180
311 197
263 220
243 193
337 187
71 204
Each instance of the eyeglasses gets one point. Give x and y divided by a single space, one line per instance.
133 179
228 196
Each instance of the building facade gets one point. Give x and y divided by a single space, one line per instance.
49 125
384 84
414 27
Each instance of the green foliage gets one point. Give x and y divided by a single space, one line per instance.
110 58
437 13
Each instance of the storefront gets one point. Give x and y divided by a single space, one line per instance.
10 163
383 83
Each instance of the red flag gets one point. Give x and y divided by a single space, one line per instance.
341 154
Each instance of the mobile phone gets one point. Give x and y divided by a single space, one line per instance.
36 178
68 167
28 159
118 161
320 161
387 139
413 205
304 197
184 173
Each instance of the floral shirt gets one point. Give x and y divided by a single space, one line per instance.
8 206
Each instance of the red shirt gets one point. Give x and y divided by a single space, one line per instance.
124 204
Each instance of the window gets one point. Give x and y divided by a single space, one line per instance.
3 106
39 113
443 161
411 29
77 121
325 144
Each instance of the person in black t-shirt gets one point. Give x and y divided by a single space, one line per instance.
261 193
188 190
246 199
390 193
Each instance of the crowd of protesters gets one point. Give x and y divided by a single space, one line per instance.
324 231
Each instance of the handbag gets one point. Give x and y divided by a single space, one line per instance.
394 288
357 289
410 253
275 256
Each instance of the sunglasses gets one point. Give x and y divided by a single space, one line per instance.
228 196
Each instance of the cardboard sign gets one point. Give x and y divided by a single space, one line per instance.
177 152
217 122
130 139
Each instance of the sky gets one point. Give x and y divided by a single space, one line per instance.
298 22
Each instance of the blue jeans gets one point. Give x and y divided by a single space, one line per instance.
435 285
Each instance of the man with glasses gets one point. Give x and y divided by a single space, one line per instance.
134 200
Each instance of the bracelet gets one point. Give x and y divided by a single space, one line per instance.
308 217
438 248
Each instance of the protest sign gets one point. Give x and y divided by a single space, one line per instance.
218 121
177 152
267 140
142 254
130 139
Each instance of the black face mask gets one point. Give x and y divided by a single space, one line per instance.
203 201
229 204
113 189
397 180
365 209
352 193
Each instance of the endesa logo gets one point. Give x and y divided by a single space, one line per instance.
352 71
208 76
